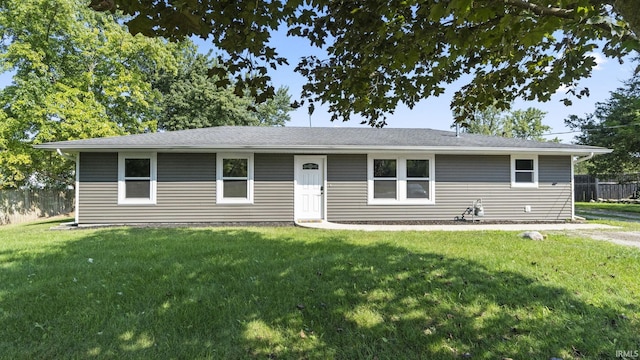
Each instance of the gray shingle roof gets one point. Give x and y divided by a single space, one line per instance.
300 138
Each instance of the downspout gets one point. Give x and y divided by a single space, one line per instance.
584 158
573 191
75 159
66 156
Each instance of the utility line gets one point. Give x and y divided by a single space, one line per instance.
592 129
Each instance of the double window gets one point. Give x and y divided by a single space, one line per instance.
524 171
137 178
234 178
400 179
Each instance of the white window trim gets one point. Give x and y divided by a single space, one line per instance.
122 190
401 179
220 199
533 184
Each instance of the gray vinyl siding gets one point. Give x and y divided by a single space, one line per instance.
186 191
459 181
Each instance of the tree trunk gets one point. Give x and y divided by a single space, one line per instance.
628 9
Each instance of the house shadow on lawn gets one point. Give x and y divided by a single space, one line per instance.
240 293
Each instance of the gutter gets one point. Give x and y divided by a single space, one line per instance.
350 149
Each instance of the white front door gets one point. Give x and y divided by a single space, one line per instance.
309 187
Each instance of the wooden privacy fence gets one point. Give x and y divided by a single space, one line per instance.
588 187
17 206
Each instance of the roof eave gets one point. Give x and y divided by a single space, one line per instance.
330 149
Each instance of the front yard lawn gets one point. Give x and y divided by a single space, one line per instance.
291 293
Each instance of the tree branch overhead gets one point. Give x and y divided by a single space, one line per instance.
414 47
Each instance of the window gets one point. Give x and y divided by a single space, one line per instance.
384 179
136 178
400 179
234 178
524 171
417 179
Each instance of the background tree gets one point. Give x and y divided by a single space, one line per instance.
192 99
526 124
488 121
78 74
614 124
381 53
81 74
274 111
523 124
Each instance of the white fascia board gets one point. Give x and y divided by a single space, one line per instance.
338 149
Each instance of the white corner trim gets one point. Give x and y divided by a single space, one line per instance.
77 190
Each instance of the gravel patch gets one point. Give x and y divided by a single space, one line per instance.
629 238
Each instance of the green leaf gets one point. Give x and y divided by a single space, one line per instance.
495 41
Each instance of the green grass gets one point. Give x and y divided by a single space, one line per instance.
619 224
617 207
291 293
